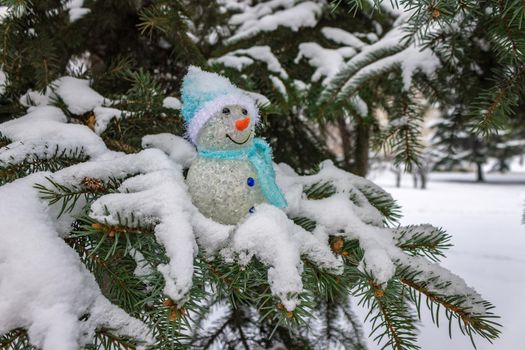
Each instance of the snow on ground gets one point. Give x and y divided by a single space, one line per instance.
489 244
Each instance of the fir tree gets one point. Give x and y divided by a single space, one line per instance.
143 268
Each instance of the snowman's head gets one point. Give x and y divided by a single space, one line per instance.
229 128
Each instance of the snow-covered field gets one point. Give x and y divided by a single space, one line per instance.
489 246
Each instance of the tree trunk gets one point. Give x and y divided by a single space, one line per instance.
423 176
480 177
362 147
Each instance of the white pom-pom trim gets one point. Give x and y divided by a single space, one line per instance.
211 107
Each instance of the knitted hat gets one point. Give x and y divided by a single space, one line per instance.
205 93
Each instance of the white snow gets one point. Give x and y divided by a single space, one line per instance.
342 37
328 62
261 18
279 85
177 148
360 105
410 59
159 198
171 102
35 98
233 61
42 131
4 12
241 58
3 81
77 94
103 116
265 234
44 286
76 11
488 237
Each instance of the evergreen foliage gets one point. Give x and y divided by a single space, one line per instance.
135 54
480 45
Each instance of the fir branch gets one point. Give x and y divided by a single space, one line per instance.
120 146
471 323
383 202
4 141
320 190
107 340
507 27
306 223
473 314
497 103
339 87
16 339
423 240
402 136
68 196
391 319
58 159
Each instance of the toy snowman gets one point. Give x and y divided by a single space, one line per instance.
233 171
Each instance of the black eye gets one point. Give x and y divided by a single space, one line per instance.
244 111
226 110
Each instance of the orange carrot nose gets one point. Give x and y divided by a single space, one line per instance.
242 123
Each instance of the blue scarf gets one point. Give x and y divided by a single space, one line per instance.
260 155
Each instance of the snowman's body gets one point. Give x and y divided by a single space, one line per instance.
225 190
233 172
222 189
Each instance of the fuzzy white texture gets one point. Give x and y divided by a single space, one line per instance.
4 12
410 59
342 37
76 11
171 102
233 61
44 286
176 147
3 81
279 85
159 198
359 105
261 18
43 131
328 62
35 98
209 108
362 221
265 234
79 97
259 99
103 115
242 58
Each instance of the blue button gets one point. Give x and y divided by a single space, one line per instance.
250 181
252 210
